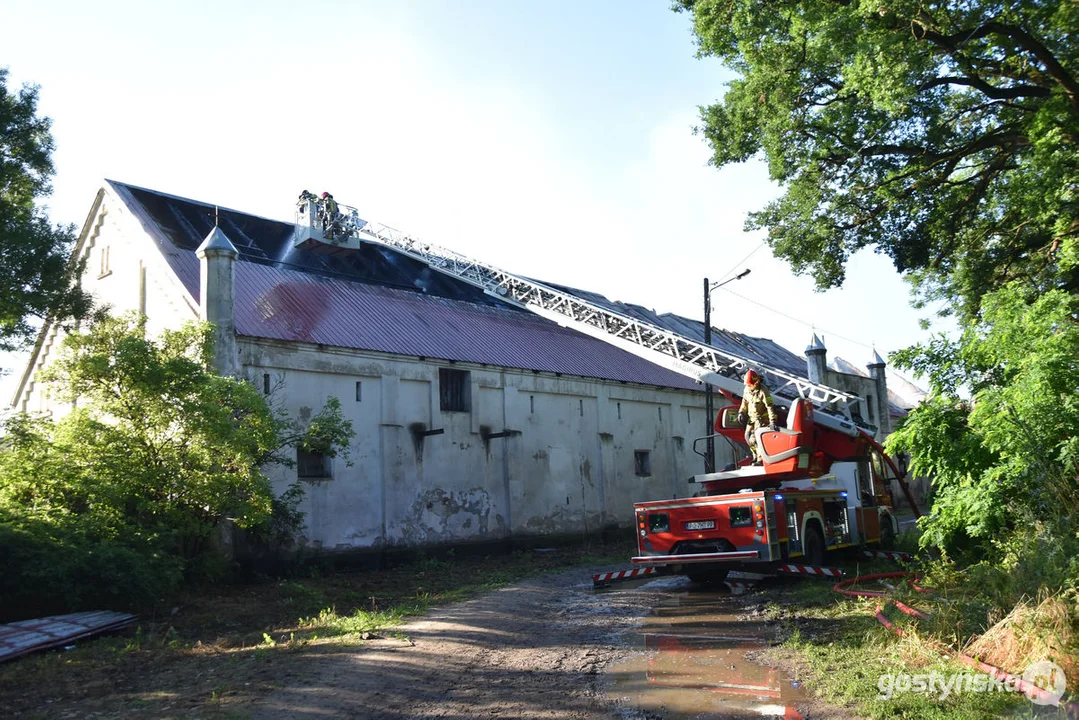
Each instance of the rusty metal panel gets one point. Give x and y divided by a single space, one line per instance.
27 636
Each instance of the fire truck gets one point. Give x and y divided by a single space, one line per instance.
824 483
817 490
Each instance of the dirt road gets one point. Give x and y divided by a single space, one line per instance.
549 647
535 649
553 648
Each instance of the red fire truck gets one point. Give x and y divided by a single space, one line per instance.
817 491
824 481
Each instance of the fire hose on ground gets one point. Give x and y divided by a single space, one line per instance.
1029 689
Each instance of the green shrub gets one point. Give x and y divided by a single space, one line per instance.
120 499
58 567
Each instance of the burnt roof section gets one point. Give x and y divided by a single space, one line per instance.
179 226
285 296
286 304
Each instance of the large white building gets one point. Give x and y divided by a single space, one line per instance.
475 421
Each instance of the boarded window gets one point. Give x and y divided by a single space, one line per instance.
642 463
454 390
312 464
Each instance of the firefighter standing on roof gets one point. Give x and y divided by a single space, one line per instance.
756 410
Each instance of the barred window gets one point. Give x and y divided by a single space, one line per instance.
312 464
642 463
454 390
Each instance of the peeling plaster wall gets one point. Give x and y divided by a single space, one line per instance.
563 465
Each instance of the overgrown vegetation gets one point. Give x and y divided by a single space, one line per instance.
117 502
219 646
1005 469
836 646
940 134
945 136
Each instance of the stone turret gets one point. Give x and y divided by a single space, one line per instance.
883 419
817 361
217 259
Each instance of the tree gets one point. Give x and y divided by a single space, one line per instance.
132 484
36 277
1005 463
942 134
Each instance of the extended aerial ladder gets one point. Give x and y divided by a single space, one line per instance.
703 363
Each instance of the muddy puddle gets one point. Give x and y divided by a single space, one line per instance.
693 663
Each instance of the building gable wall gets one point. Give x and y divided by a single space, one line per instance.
123 271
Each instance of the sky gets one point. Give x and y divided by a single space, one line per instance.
553 139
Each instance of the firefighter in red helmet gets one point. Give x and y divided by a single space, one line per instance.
756 410
328 211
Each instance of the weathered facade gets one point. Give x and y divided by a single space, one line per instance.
474 420
873 390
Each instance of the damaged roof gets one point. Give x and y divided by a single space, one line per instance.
179 226
377 299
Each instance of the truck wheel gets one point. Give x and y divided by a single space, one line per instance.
814 546
708 577
887 533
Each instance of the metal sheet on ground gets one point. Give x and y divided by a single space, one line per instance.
27 636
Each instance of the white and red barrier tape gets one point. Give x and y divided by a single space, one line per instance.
810 570
623 575
740 584
887 554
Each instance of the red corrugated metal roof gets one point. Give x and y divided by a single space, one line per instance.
292 305
378 299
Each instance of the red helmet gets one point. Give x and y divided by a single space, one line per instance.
752 378
326 194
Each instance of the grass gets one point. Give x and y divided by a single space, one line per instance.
850 659
220 644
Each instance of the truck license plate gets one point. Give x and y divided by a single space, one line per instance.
701 525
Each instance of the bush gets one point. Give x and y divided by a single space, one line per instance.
121 499
52 568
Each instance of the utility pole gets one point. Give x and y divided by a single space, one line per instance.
709 409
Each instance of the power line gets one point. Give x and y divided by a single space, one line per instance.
812 326
739 263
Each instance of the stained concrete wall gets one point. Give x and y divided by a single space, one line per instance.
566 465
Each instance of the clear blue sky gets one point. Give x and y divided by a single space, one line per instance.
553 139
